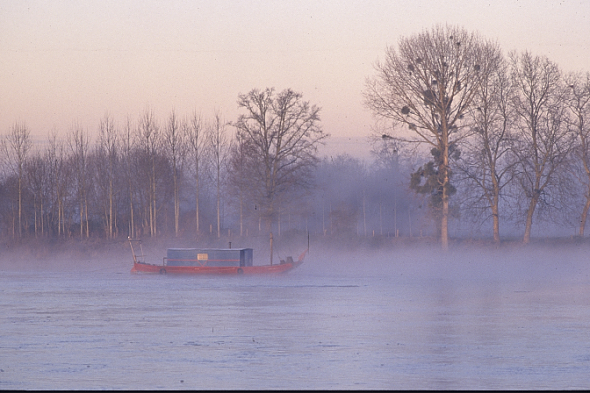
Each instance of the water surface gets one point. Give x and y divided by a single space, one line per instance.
397 320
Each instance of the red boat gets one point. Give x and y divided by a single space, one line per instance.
210 261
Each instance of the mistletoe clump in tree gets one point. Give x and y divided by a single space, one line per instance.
427 181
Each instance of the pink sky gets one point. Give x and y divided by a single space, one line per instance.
66 62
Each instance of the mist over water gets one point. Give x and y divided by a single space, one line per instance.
409 317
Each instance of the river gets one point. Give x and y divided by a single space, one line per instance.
407 319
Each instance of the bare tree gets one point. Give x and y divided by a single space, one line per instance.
149 140
485 160
543 140
37 177
128 147
109 155
281 134
60 178
392 162
239 184
197 142
219 145
343 195
174 139
16 147
78 143
579 106
429 84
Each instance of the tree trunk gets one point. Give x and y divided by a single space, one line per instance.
131 218
176 203
111 213
241 215
218 203
86 217
444 223
153 199
20 202
496 219
444 168
197 207
42 220
529 219
218 218
271 251
584 216
197 224
495 205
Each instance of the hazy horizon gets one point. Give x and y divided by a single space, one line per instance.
66 63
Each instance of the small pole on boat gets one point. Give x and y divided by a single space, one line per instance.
271 248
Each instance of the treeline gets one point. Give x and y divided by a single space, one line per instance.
508 136
194 177
468 136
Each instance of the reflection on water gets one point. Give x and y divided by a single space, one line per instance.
392 322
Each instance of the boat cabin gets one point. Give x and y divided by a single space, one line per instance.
238 257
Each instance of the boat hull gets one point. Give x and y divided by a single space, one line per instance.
139 267
210 270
